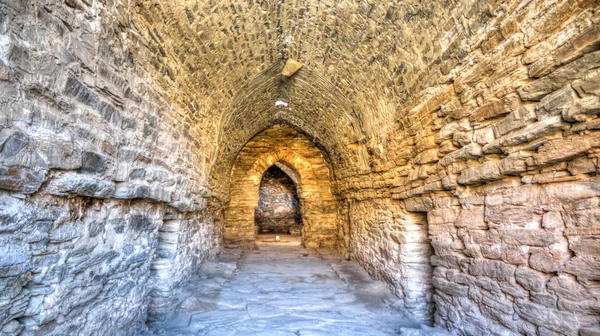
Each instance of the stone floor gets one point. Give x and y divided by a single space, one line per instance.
284 289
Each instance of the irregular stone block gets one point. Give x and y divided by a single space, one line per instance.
14 260
552 220
561 322
73 184
418 204
581 165
512 165
141 190
584 267
562 150
588 84
81 93
92 163
519 118
492 269
556 103
291 67
488 171
560 77
14 213
66 232
582 109
472 218
529 133
530 279
566 286
495 108
471 151
450 288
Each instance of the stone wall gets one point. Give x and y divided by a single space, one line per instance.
94 159
278 209
502 158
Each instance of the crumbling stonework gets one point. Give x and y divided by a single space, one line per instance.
94 171
451 148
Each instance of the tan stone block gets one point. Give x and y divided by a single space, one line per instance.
495 108
488 171
291 67
529 133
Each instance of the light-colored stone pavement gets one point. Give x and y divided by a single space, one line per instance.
284 289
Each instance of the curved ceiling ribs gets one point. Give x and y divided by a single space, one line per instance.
362 59
315 108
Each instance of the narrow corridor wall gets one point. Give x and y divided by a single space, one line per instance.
94 159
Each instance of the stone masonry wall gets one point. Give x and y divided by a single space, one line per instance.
278 207
502 158
94 159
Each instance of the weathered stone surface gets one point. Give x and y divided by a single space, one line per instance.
519 118
291 67
492 269
488 171
529 133
80 185
14 213
471 151
495 108
435 152
562 150
557 79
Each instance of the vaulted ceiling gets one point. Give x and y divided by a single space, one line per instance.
222 61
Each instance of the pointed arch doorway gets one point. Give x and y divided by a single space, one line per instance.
295 155
278 210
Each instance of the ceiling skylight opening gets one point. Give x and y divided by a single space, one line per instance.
281 103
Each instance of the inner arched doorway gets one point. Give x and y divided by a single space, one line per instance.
305 164
278 209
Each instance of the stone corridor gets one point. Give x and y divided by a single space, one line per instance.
441 162
283 289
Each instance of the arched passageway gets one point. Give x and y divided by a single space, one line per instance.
278 209
299 156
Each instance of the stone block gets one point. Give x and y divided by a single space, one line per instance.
552 220
584 267
73 184
512 165
517 119
495 108
565 149
581 165
544 262
492 269
291 67
529 133
530 279
14 213
471 151
450 288
81 93
488 171
585 245
93 163
556 103
472 218
562 322
418 204
560 77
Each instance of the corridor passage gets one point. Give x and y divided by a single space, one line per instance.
284 289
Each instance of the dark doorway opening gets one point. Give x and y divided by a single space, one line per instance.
278 209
